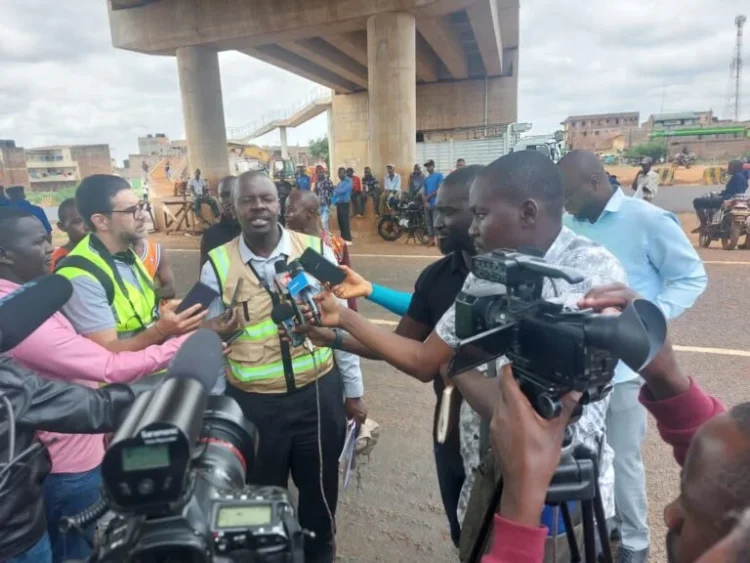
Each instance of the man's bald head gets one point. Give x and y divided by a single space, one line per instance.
587 187
302 210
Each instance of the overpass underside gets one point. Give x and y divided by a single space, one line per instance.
441 67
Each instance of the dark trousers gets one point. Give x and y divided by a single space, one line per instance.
200 200
375 197
342 214
67 494
288 427
282 210
358 203
451 477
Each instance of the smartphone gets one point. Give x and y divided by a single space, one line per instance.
200 294
320 268
232 337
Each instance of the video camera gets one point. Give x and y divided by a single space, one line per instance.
553 349
174 476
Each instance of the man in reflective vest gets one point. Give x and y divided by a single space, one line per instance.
294 397
114 302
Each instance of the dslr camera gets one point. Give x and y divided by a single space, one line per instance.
174 477
553 349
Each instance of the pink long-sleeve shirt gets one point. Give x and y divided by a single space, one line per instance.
56 351
677 418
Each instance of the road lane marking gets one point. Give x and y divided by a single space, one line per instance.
727 262
676 347
713 351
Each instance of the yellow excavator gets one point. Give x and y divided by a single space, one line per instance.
253 157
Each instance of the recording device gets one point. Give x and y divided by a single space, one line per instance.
174 475
199 294
303 288
553 350
320 268
283 314
25 309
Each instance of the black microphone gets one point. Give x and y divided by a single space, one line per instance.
283 314
200 357
304 288
25 309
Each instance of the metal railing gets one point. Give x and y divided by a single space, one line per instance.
318 95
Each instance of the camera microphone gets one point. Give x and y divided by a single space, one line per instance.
302 287
283 314
25 309
200 358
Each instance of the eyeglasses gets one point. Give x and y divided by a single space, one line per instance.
134 210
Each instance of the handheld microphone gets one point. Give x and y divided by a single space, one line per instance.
283 314
25 309
302 287
282 280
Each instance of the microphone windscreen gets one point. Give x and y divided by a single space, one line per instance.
281 267
25 309
281 312
200 357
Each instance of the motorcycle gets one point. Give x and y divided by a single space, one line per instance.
727 223
404 215
683 159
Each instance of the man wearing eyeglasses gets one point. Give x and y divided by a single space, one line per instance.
114 302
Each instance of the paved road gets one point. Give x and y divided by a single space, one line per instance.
397 514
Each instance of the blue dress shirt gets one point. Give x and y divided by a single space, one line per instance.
343 191
659 259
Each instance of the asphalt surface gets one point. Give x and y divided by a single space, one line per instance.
395 513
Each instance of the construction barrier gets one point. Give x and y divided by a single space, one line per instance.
666 176
714 175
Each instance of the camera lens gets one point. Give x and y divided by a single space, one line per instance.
230 441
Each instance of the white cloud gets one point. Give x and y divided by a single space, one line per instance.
63 82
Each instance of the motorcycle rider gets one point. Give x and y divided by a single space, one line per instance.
737 185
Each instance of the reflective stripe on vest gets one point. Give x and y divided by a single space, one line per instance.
142 298
276 369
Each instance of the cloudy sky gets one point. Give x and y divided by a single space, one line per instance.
61 81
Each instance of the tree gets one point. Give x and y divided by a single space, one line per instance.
654 148
319 149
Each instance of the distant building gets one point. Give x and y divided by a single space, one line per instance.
300 155
680 119
156 144
61 166
13 170
596 132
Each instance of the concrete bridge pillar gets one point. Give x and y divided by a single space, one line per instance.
284 143
391 78
203 112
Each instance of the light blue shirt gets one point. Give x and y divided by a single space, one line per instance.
660 262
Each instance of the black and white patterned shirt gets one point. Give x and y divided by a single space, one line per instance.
598 267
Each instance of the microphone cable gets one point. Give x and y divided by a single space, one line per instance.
308 345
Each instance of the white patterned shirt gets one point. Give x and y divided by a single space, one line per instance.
598 267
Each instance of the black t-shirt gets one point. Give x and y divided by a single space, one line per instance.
219 234
435 291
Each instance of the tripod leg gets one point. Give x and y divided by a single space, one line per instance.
575 554
601 524
589 545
